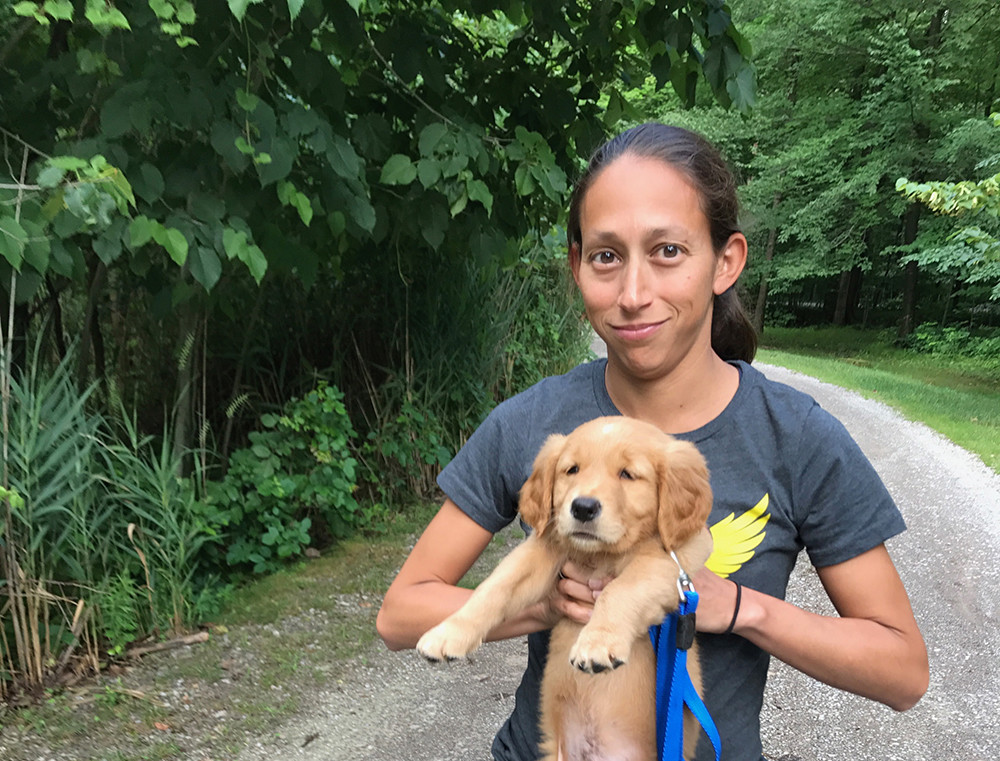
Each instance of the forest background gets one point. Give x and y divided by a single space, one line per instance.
265 265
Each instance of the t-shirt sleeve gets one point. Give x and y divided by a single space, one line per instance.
842 507
480 479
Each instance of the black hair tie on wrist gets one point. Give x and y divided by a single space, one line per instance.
736 608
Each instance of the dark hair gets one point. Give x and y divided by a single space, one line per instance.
733 335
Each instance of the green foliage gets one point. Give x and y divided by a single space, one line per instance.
548 334
102 542
293 486
166 526
972 252
348 188
954 341
850 98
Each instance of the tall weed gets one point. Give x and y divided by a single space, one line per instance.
102 542
55 525
160 520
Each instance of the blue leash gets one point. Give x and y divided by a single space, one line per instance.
674 690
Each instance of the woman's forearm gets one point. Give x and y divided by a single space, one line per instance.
863 656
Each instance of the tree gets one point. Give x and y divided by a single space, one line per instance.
325 181
851 96
971 253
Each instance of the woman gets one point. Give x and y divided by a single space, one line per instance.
655 250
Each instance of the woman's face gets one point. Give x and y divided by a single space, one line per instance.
646 268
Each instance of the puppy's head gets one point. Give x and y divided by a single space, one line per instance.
613 482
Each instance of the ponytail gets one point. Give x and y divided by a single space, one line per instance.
733 335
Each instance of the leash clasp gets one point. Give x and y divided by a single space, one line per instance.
684 583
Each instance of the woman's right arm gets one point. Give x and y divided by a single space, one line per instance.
424 591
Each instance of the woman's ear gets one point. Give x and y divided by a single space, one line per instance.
685 494
730 263
536 495
574 261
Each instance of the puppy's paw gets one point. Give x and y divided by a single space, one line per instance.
448 641
599 650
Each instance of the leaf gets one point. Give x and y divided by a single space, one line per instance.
256 262
69 163
398 170
523 181
430 137
428 172
164 9
105 17
51 176
140 231
281 159
13 239
174 242
343 158
238 8
303 207
116 118
37 248
478 191
434 225
742 88
225 137
26 8
237 246
186 14
460 203
149 184
205 266
108 246
247 100
294 8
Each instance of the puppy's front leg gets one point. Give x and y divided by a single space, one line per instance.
522 578
640 596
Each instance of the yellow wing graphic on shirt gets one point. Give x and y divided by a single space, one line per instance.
736 538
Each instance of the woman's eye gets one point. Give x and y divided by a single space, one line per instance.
604 257
669 251
626 476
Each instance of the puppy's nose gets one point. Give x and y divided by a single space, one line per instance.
585 508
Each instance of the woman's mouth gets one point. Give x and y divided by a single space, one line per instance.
636 332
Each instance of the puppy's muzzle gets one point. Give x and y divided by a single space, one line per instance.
585 509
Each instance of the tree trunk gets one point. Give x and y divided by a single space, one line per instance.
90 327
772 237
907 321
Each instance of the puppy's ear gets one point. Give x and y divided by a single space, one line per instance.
536 494
685 493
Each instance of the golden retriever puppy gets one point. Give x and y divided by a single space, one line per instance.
616 496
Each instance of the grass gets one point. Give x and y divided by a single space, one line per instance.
958 397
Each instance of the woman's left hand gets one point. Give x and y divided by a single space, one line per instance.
716 602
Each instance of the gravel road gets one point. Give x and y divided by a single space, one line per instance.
395 706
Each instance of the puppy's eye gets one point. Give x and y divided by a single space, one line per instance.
626 476
572 470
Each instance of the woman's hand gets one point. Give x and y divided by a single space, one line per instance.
716 602
575 592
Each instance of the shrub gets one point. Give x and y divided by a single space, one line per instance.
955 341
293 486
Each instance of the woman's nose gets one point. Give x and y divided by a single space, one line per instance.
634 292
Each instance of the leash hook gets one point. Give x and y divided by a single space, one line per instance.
684 583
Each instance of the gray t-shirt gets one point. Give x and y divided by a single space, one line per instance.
777 460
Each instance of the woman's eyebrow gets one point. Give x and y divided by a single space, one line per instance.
607 237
